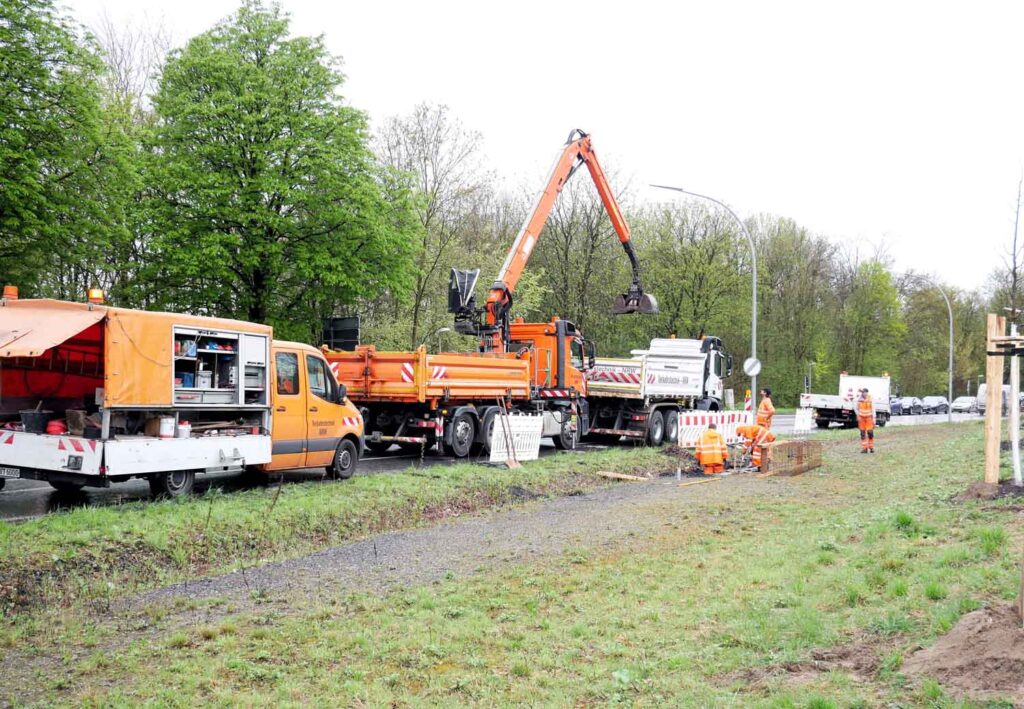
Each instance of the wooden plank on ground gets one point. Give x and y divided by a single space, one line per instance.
698 482
619 476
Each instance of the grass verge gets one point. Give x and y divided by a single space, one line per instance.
100 553
761 600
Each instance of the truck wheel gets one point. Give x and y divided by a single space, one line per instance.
174 484
881 421
378 447
671 426
463 433
822 423
567 438
65 486
345 460
483 447
656 429
2 483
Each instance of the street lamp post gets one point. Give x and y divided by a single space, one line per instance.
755 366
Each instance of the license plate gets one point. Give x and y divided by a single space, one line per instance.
9 472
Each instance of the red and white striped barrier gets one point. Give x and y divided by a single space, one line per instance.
553 393
693 425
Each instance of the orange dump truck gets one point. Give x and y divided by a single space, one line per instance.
91 395
450 400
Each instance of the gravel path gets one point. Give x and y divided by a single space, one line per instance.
603 518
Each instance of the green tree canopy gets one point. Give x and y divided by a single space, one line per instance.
55 166
267 203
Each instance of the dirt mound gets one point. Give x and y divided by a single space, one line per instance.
981 657
858 660
989 491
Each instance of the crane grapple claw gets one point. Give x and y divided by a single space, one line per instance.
630 303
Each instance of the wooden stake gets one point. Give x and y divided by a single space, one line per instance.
993 400
619 476
700 482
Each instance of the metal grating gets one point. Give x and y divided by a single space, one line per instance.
793 457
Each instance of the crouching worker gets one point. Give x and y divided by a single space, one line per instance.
711 451
866 421
756 440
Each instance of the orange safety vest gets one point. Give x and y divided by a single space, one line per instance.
757 437
865 407
711 448
765 412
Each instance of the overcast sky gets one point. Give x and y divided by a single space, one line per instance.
895 123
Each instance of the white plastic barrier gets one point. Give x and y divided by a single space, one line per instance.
803 421
523 430
692 425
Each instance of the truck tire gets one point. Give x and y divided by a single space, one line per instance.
567 438
463 429
483 447
671 426
655 429
378 447
822 423
2 483
346 459
65 485
177 483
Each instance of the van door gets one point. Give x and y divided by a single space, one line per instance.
290 415
325 420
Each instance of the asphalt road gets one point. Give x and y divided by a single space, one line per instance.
26 499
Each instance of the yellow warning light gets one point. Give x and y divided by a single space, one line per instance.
96 296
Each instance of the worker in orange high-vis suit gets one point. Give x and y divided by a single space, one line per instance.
711 451
756 440
865 408
766 409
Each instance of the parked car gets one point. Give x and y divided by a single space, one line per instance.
911 406
895 405
983 394
935 405
965 405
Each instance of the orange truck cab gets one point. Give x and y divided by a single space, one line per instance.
92 395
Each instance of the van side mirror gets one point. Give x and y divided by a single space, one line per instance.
342 393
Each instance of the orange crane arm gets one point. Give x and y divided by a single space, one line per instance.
578 150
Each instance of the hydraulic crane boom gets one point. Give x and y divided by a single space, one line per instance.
578 151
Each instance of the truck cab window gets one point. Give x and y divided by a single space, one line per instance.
718 366
577 353
287 366
320 380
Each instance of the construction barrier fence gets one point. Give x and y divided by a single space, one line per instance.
692 425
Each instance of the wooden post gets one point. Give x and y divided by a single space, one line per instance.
993 400
1015 413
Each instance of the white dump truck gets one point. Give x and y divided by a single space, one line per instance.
642 397
841 408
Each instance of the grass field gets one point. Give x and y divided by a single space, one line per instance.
810 599
99 553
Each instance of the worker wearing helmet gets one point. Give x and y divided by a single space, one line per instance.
865 408
711 451
756 443
766 409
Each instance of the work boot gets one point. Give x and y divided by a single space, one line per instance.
871 450
863 450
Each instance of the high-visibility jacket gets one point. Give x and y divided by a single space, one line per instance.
711 448
765 412
757 437
865 409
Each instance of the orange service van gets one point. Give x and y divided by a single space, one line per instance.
91 395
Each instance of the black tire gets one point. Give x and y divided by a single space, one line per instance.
483 446
671 427
655 429
2 483
880 422
463 433
822 423
65 485
177 483
346 459
567 438
378 447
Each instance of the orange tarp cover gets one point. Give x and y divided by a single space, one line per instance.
30 331
138 344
